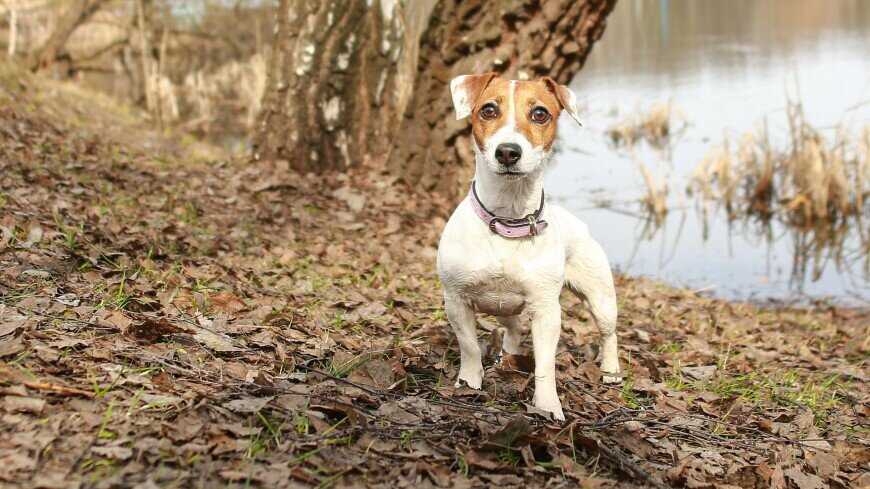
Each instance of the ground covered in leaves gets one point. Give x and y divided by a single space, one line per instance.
173 318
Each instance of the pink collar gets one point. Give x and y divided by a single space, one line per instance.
509 227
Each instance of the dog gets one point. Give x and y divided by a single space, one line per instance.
505 251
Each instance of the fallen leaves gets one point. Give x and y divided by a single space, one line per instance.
164 321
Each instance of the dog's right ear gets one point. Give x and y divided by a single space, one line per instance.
466 89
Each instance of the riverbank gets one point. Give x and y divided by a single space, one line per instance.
174 316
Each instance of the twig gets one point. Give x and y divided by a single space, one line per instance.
59 389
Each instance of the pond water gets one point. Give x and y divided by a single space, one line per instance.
726 67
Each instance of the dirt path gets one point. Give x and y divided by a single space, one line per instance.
167 323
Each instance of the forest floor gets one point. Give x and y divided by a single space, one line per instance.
174 317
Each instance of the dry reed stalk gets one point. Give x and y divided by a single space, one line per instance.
655 126
656 195
715 177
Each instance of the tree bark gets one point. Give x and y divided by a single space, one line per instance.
362 82
77 14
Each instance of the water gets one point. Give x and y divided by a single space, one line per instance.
728 67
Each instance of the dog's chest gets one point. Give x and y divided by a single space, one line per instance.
500 277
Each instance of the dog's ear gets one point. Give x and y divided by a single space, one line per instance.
466 89
565 96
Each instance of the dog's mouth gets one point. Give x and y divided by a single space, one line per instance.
511 173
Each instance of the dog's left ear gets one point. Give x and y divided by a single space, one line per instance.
466 89
565 96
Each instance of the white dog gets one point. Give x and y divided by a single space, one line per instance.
503 250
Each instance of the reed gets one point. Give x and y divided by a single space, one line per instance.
656 197
808 180
656 126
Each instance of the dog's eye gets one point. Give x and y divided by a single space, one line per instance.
540 115
489 112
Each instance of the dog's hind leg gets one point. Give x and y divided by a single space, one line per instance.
461 317
588 275
513 335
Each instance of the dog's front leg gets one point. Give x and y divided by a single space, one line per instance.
461 317
546 326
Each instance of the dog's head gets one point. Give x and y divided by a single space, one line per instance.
513 123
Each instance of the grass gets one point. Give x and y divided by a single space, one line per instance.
819 393
104 433
462 465
342 368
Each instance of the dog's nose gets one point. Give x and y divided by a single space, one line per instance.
508 153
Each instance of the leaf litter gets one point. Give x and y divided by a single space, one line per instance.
171 322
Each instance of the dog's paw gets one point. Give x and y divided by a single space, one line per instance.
471 380
611 377
553 412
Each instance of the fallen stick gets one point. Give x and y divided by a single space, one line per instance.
58 389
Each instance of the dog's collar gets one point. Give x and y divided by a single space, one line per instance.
509 227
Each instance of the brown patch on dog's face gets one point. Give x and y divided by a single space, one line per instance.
537 110
530 105
496 96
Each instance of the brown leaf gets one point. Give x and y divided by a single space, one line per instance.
774 475
8 327
214 341
13 461
152 330
376 373
511 435
20 404
185 427
114 452
392 411
700 373
11 346
477 459
803 480
119 320
520 363
247 405
824 464
227 302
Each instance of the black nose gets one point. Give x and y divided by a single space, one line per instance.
508 153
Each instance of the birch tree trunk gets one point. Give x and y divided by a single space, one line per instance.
364 82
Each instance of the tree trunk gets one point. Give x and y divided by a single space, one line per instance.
362 82
77 14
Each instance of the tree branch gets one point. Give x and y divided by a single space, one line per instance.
78 14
